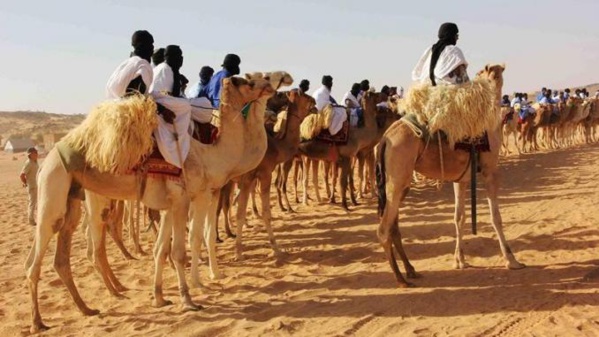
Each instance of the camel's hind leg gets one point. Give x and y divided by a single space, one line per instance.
62 258
161 252
491 185
397 185
99 214
459 220
265 182
115 227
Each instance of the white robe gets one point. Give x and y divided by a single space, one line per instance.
451 57
165 139
201 109
127 72
322 96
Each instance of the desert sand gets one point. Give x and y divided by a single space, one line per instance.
335 279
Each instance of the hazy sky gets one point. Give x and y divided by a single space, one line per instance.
57 55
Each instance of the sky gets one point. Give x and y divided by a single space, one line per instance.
56 56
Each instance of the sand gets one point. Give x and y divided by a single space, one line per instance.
336 281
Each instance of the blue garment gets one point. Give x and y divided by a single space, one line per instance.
195 90
540 97
213 88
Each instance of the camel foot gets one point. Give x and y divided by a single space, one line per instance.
461 265
515 265
141 252
218 240
406 285
413 274
90 312
38 327
192 307
231 235
239 257
161 303
217 275
290 211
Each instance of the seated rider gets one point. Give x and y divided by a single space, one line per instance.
350 99
213 88
444 62
505 101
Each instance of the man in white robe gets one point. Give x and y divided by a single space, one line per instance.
135 73
322 96
166 90
350 100
440 63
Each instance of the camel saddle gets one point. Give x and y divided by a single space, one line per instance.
481 143
340 138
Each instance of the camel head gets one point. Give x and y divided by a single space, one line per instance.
304 103
371 99
493 73
238 91
277 79
278 102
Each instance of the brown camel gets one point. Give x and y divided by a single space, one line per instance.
60 211
342 155
400 152
251 147
278 151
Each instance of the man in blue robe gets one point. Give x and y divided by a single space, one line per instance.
213 89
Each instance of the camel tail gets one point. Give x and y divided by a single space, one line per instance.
381 180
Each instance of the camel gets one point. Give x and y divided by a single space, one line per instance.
341 155
510 129
250 147
365 157
60 211
400 152
278 151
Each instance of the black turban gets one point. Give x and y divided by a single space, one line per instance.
231 63
448 35
143 44
304 85
206 74
158 56
327 80
365 85
173 56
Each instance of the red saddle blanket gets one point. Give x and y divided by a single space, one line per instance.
340 138
156 165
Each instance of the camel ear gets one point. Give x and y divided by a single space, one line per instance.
248 76
238 81
487 68
503 66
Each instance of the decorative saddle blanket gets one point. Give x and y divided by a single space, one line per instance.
340 138
157 165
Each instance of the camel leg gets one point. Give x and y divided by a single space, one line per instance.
344 163
315 167
253 197
491 185
306 162
220 208
180 211
200 206
244 185
62 258
352 188
285 169
210 234
45 230
161 252
225 195
361 183
265 182
388 233
134 227
115 228
327 169
296 171
459 190
99 214
279 185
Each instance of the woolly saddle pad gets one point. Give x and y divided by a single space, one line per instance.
462 111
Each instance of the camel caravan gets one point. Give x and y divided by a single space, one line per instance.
185 158
553 122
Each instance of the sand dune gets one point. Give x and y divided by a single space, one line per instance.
335 280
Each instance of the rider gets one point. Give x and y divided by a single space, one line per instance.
444 62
